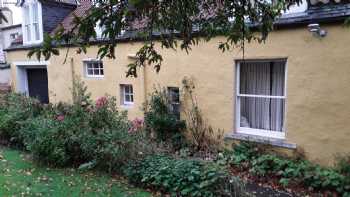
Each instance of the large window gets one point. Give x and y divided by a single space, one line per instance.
127 94
261 95
32 27
94 68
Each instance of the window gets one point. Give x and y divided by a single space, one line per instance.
94 68
261 95
32 27
174 101
127 94
14 36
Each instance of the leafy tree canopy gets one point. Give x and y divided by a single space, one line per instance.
177 24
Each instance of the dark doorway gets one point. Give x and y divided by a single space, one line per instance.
38 84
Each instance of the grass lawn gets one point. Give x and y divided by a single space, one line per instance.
20 177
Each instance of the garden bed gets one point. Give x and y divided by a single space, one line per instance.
160 153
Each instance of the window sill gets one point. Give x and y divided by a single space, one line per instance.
94 77
127 106
263 140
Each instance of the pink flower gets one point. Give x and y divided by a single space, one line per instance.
100 102
136 125
60 118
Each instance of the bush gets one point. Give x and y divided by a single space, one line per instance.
72 135
160 121
47 140
343 165
183 177
13 110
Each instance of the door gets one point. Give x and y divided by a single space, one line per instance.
38 84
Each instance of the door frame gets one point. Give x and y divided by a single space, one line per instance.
22 76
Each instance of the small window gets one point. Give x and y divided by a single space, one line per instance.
261 98
174 101
94 68
14 36
127 94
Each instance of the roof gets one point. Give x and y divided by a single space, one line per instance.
328 13
317 14
81 10
68 2
11 27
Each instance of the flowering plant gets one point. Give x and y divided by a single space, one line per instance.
136 125
101 102
60 118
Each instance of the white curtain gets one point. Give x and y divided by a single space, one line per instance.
262 79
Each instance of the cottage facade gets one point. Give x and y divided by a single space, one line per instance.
291 92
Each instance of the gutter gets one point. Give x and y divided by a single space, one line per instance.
291 21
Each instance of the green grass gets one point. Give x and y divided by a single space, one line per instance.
20 177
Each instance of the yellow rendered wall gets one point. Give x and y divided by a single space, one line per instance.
318 83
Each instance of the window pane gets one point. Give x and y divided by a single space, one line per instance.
89 66
128 89
262 78
90 72
26 16
174 95
174 98
96 72
131 98
262 113
127 98
35 12
36 31
28 33
101 72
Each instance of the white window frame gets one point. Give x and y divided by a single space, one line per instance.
86 68
238 96
32 40
124 94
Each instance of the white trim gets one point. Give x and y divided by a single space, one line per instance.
238 99
94 76
261 96
21 73
91 60
31 63
123 95
252 131
261 132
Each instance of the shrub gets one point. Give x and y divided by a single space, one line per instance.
183 177
160 121
343 165
15 109
47 140
97 134
241 154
